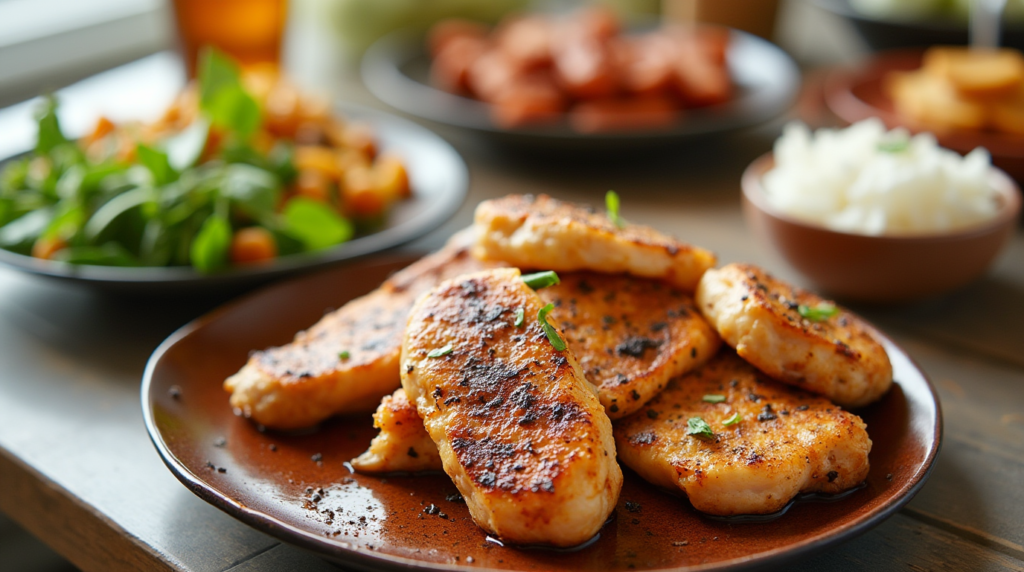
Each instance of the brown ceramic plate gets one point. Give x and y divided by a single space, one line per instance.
859 93
274 482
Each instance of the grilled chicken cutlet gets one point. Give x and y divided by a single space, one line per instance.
795 336
541 232
403 444
520 431
631 335
738 443
310 379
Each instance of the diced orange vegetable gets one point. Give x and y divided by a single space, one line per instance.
360 196
281 110
450 70
334 132
103 128
359 136
350 158
314 184
391 178
45 247
317 158
253 245
652 112
444 32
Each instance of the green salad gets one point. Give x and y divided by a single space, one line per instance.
223 190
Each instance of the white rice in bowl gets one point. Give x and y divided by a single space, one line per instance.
867 180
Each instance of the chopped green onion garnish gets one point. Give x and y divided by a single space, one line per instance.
894 146
713 398
553 337
343 355
540 280
440 352
699 428
818 313
519 317
611 203
732 420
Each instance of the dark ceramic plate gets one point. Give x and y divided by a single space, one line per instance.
438 176
273 482
397 70
857 93
886 34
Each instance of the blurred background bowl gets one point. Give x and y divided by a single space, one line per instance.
882 269
855 94
885 33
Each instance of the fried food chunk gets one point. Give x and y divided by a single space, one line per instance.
541 232
402 444
795 336
520 431
763 444
631 335
302 383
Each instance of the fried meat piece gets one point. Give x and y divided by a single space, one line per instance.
520 431
541 232
764 442
795 336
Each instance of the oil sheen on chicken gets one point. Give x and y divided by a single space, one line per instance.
541 232
520 431
767 442
302 383
795 336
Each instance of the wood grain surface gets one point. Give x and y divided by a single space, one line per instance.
77 468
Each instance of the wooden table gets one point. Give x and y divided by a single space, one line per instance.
77 468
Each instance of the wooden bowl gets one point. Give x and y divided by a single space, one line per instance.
881 268
858 93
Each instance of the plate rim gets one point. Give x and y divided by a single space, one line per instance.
447 205
381 73
296 536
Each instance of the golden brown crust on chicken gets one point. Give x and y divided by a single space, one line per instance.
631 335
541 232
302 383
784 443
520 431
402 444
759 316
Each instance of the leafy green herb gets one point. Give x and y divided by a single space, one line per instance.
50 134
819 313
157 163
439 352
713 398
344 355
556 341
317 225
21 233
520 316
184 149
255 191
116 207
209 252
699 428
732 420
611 203
109 254
540 280
894 145
223 97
